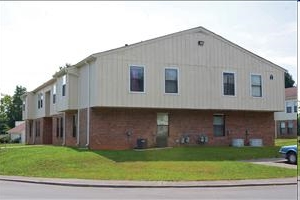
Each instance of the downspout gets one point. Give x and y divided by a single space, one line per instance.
88 109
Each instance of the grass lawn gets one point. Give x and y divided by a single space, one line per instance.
285 142
183 163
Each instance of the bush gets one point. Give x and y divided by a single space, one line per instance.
5 139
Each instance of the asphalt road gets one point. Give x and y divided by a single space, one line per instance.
17 190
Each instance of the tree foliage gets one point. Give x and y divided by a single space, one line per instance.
11 109
288 79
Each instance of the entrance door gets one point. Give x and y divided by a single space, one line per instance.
162 129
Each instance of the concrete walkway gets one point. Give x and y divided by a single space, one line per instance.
275 162
150 184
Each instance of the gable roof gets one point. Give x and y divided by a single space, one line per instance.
18 129
199 29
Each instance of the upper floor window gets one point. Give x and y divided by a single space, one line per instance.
256 85
137 82
64 81
289 106
228 84
40 100
171 80
54 94
23 106
295 106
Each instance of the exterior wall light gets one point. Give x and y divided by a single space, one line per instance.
200 43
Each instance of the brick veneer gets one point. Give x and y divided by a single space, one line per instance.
70 140
109 127
286 134
45 127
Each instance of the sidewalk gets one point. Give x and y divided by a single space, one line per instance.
150 184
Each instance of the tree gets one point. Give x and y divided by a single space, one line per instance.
288 79
11 109
5 109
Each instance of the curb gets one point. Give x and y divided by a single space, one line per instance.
151 184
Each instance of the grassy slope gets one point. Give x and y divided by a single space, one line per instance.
193 163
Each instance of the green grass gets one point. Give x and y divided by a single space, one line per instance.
285 142
184 163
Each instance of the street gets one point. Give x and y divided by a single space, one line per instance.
18 190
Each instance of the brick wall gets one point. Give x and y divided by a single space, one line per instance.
46 130
70 138
285 133
57 138
109 127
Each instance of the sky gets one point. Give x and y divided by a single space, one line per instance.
36 38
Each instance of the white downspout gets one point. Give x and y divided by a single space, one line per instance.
88 109
78 112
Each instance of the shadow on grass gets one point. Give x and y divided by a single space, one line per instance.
189 154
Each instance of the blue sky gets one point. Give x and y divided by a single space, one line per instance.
38 37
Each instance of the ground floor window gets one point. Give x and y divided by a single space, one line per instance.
290 127
57 127
219 125
282 128
74 125
37 128
61 127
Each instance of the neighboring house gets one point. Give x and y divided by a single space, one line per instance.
286 121
190 87
18 132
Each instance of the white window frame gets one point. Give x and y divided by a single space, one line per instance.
235 77
54 92
262 83
178 82
64 83
129 89
289 104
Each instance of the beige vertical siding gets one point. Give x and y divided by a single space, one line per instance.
200 75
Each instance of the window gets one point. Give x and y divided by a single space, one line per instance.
23 106
61 126
37 128
40 100
228 84
295 107
288 107
137 79
57 127
290 127
64 85
171 80
219 125
282 128
30 128
74 125
54 94
256 85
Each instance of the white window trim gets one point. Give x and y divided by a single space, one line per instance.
235 91
135 92
262 83
178 82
